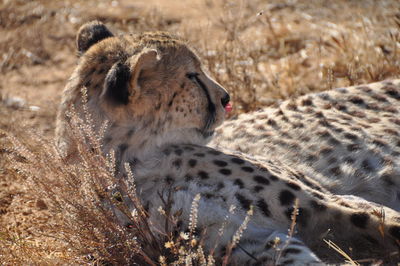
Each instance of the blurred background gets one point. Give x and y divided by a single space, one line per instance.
260 51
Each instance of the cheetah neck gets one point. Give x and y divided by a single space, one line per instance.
144 146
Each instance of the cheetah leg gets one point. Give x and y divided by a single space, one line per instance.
355 223
277 249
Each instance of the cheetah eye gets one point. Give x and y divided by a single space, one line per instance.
192 75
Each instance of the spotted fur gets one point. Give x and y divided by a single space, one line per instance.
162 108
347 139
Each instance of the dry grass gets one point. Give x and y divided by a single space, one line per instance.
83 198
261 52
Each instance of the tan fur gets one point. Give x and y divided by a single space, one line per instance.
161 132
349 136
160 85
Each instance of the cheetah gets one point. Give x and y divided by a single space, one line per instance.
349 137
163 109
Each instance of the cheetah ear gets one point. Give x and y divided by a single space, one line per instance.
122 81
146 60
90 34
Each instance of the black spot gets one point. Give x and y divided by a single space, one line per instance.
293 185
395 232
244 202
290 251
225 171
367 166
220 163
169 179
379 98
87 84
130 132
359 220
333 141
287 262
199 154
324 134
258 188
271 122
338 130
356 100
203 175
263 206
192 162
286 197
306 102
350 136
178 152
220 185
353 147
324 123
379 143
177 163
122 148
391 92
188 178
238 183
247 169
237 160
207 195
187 148
388 179
335 171
332 160
326 151
103 59
319 115
311 158
214 152
273 178
396 121
261 180
318 206
341 107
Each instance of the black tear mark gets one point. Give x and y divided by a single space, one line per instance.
360 220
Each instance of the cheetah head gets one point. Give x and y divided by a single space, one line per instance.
152 84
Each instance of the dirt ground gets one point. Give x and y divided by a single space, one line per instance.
261 51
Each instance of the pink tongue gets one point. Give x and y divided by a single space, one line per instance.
228 108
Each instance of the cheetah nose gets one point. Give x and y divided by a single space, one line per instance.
225 103
225 100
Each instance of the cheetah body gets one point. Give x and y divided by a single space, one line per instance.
347 139
162 108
